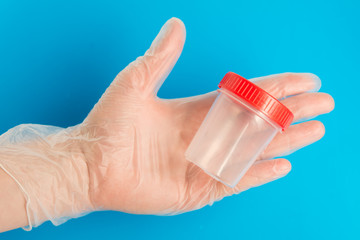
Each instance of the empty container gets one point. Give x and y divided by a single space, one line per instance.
240 124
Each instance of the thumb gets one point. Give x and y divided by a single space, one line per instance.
147 73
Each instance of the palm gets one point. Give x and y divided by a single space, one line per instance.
149 174
137 162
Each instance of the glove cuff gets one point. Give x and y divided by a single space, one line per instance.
50 169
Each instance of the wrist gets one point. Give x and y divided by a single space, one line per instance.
89 148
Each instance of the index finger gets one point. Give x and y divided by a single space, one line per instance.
287 84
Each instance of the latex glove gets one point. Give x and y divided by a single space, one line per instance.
128 154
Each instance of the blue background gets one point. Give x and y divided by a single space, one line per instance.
58 57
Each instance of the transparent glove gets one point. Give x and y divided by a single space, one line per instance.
128 154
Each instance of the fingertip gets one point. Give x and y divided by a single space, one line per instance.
281 167
316 82
330 101
178 23
318 128
173 32
178 26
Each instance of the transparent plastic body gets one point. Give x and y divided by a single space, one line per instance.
231 137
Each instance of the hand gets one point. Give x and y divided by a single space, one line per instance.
136 153
128 154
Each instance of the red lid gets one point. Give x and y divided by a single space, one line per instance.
258 98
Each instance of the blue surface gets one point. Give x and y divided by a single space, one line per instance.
57 58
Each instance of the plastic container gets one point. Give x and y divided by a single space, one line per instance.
240 124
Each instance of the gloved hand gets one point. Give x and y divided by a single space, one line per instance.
128 154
